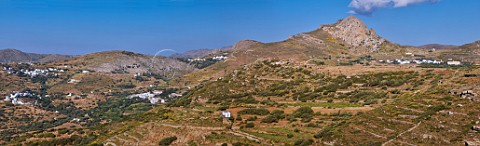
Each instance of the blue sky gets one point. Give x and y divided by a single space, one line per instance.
146 26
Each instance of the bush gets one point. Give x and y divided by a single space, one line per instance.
306 120
326 132
167 141
296 130
289 135
274 116
302 142
249 125
291 118
303 112
239 118
223 108
253 118
270 119
239 144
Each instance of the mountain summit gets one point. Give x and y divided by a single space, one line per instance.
355 33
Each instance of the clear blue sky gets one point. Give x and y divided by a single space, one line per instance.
146 26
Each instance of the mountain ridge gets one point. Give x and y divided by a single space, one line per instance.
10 55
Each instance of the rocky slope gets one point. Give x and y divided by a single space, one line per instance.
13 55
129 62
355 33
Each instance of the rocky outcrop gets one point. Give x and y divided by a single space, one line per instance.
355 33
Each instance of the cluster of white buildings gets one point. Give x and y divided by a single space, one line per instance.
150 96
424 61
197 59
56 70
217 58
33 73
15 98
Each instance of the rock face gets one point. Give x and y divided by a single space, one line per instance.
355 33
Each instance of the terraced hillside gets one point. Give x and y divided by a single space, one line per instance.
438 115
341 84
60 99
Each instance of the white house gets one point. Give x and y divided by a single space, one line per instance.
76 120
14 98
226 114
219 58
73 81
157 92
454 62
174 95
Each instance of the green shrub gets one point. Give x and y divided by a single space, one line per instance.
303 112
289 135
238 144
249 125
270 119
239 118
252 118
167 141
274 116
302 142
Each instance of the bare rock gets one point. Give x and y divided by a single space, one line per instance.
355 33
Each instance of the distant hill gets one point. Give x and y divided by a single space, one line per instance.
466 53
200 53
436 46
13 55
129 62
474 46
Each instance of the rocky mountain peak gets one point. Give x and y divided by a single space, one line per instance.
355 33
